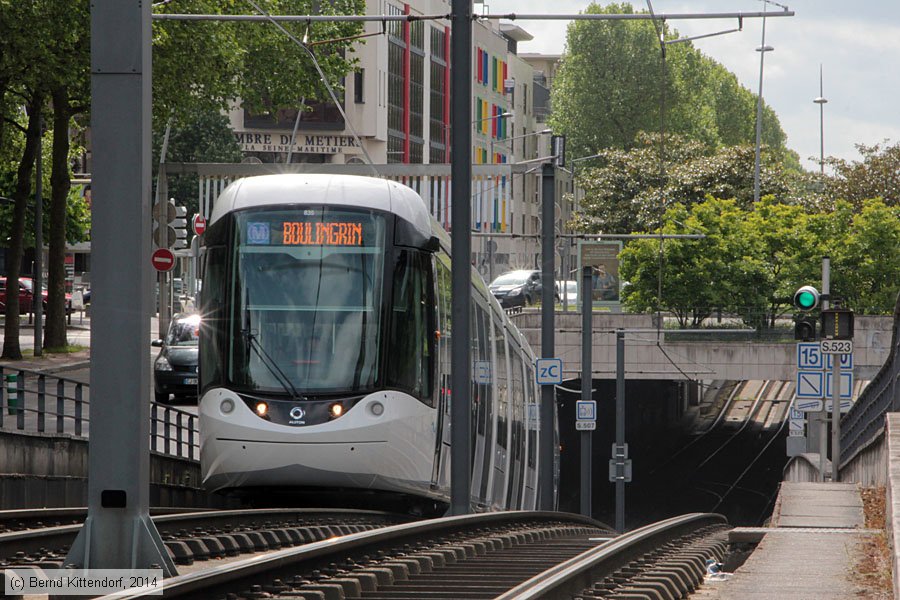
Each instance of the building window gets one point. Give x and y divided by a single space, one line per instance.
359 79
438 97
319 115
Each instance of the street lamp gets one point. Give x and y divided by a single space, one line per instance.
512 149
762 54
821 101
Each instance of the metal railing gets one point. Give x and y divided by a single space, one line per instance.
34 402
864 422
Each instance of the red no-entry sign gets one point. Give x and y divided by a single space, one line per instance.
199 224
163 259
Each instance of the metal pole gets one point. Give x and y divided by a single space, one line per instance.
762 55
461 240
821 101
587 382
548 392
823 414
835 416
620 430
37 297
118 532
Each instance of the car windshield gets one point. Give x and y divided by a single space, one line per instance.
184 331
515 278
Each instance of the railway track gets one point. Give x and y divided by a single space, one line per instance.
198 536
729 467
505 555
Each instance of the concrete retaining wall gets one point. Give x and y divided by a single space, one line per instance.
42 470
804 468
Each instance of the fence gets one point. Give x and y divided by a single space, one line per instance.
35 402
864 423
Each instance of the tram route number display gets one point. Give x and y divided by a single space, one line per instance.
836 346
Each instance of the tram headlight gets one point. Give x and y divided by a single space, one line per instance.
262 409
227 406
377 408
336 410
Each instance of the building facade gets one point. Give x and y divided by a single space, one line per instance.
397 106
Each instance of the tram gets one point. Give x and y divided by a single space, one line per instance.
325 352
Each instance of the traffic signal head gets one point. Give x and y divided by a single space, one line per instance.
806 298
805 329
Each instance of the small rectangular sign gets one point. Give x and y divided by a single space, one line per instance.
585 425
810 384
845 405
836 346
846 385
809 356
809 405
586 410
846 361
548 371
481 371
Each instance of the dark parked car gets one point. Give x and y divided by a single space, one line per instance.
517 288
175 368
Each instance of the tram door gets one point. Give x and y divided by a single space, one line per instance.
501 448
482 405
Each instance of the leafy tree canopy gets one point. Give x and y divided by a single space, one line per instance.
752 259
631 188
612 84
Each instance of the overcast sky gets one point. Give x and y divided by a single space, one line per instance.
857 44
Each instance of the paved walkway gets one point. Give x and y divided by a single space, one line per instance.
808 554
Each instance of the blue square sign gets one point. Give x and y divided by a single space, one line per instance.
549 371
586 410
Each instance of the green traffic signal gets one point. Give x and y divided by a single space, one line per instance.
806 298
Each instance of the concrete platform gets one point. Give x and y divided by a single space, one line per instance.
808 553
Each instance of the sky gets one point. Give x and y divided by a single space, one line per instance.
857 45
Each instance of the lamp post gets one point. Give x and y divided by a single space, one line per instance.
821 101
762 55
518 137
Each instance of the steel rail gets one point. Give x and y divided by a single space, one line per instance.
20 544
571 577
286 563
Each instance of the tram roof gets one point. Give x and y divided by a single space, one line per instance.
337 190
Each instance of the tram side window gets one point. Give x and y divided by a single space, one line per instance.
501 377
212 344
411 347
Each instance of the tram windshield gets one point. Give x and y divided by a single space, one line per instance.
306 294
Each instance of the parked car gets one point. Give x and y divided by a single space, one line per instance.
517 288
570 289
26 296
175 367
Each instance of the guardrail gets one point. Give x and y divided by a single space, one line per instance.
864 422
34 402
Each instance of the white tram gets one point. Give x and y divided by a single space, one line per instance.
325 352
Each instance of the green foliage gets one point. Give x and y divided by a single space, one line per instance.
255 62
753 258
630 189
200 136
877 175
612 84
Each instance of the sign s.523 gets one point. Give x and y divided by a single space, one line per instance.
836 346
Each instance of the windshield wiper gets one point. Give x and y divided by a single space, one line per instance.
267 361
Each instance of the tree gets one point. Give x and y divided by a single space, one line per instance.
195 137
612 84
867 263
697 276
631 188
877 175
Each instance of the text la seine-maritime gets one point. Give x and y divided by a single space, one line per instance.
322 144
